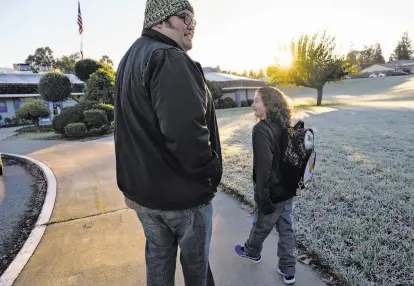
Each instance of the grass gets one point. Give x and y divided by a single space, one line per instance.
357 219
36 136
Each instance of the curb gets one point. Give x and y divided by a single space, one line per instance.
29 247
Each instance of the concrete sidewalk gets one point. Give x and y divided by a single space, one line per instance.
7 132
95 240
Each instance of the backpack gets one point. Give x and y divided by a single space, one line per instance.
299 158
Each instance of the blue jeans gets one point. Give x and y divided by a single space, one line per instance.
190 229
263 224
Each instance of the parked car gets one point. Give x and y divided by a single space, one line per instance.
395 73
381 74
373 75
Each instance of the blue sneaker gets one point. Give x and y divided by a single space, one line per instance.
288 279
242 253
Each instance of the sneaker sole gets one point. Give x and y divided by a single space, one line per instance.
284 280
253 261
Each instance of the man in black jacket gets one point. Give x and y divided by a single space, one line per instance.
168 154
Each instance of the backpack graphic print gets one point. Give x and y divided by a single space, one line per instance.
299 158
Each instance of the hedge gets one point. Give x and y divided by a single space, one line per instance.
76 130
108 109
96 118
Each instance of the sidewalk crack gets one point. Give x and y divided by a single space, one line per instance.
82 217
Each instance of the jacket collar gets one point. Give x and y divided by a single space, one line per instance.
164 39
160 38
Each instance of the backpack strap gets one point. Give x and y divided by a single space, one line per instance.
299 124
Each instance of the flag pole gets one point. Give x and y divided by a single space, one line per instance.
80 23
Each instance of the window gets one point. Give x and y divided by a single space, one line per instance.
3 106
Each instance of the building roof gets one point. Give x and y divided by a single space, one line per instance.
220 77
30 78
34 95
377 68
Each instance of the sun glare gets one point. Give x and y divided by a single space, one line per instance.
284 59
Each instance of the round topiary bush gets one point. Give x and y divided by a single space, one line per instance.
33 111
108 109
76 130
84 68
55 87
71 114
67 116
96 118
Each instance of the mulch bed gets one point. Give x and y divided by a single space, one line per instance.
29 219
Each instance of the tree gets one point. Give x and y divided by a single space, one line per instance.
42 56
378 58
252 74
366 57
66 64
216 91
84 68
351 57
33 111
55 87
404 50
106 60
261 74
100 87
313 64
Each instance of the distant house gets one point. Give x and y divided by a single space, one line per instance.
403 65
378 68
236 87
19 85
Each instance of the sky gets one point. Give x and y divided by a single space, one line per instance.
234 34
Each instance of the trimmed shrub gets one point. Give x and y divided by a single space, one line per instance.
84 68
71 114
249 102
100 86
55 87
96 118
108 109
227 103
33 111
67 116
76 130
243 103
100 131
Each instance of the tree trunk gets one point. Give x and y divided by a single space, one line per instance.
36 122
320 91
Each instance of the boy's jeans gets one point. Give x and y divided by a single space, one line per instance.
263 225
190 229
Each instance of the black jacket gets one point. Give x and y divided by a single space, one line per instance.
269 140
167 145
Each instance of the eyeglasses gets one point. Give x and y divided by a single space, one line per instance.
186 19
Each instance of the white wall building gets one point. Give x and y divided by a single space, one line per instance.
236 87
19 87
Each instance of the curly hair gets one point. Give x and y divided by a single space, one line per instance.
278 108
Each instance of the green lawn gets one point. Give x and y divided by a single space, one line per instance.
357 219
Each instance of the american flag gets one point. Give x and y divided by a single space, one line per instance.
80 22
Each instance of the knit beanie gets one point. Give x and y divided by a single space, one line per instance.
157 11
